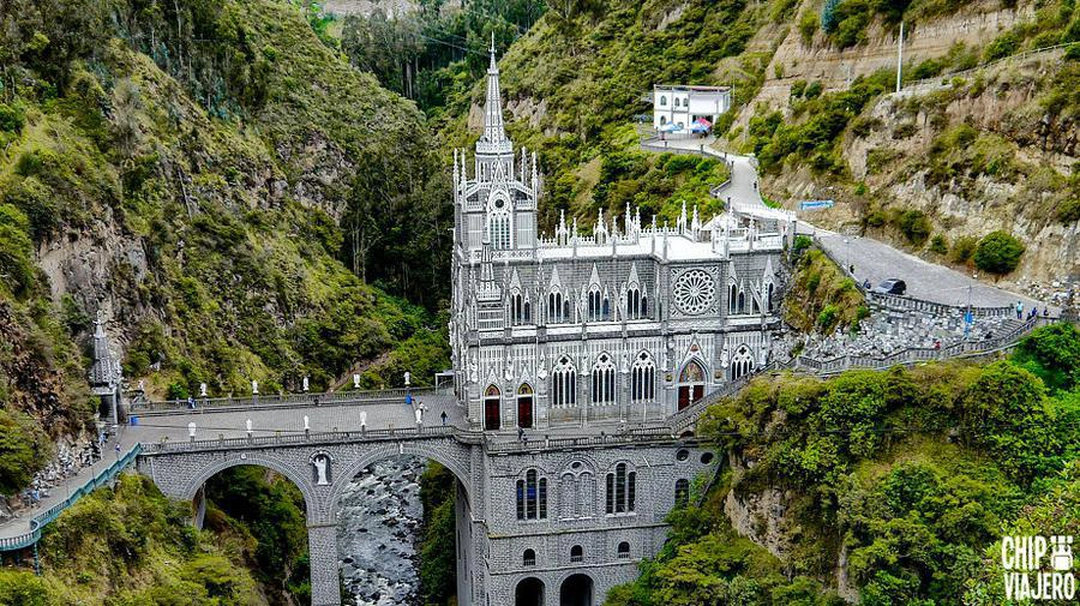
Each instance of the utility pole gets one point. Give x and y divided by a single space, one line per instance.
899 56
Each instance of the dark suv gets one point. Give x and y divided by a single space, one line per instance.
892 286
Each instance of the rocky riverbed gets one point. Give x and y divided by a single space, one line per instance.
380 520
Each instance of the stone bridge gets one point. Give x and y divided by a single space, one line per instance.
533 520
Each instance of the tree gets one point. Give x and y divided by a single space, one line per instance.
998 253
828 15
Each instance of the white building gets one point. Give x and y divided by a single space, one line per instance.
682 105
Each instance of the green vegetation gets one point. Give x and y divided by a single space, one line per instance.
267 512
998 253
131 545
910 476
822 297
437 544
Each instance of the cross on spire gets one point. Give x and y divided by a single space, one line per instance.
494 139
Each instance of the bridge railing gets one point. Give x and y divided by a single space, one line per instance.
628 435
909 304
39 521
338 398
321 437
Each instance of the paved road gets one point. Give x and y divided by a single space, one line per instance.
876 261
873 260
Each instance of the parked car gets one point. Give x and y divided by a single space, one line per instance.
892 286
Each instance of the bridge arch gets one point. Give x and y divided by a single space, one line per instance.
297 477
438 453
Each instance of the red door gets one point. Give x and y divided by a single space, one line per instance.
525 412
684 396
491 414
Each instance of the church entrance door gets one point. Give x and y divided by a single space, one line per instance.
691 384
525 406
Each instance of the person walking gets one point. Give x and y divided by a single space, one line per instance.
443 416
1019 310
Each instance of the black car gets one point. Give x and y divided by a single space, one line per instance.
892 286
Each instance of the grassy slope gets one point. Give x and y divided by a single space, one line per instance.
198 199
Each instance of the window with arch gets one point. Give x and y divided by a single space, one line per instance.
594 304
742 303
733 298
499 229
623 551
556 308
742 363
528 558
769 292
663 101
621 490
603 380
519 310
492 408
643 379
663 120
563 383
682 492
532 497
577 554
676 101
633 303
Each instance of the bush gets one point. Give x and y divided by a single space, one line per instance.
808 26
23 449
915 226
963 248
938 244
1002 46
1069 211
12 119
22 589
998 253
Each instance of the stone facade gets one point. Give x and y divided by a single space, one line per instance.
492 537
631 322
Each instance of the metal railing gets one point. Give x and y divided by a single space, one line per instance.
39 521
315 438
630 434
339 398
901 303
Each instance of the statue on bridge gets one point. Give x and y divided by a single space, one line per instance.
321 463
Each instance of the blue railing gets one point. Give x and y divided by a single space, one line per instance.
38 522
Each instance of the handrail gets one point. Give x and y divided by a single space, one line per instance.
340 398
39 521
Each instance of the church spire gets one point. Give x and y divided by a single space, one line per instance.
494 138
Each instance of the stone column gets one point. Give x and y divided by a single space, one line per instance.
322 547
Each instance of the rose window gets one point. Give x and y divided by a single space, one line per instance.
694 292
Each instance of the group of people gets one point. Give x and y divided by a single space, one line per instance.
1034 313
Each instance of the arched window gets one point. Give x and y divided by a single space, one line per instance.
633 304
605 309
663 101
598 306
555 308
676 101
663 120
532 497
518 309
621 490
682 492
603 380
691 384
643 379
742 363
742 302
769 290
528 558
733 296
563 383
499 230
577 554
623 551
492 408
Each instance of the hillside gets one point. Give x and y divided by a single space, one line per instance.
878 488
233 199
982 137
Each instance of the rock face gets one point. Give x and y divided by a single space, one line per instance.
381 514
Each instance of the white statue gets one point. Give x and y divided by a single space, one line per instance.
419 416
307 425
191 430
356 381
255 388
247 424
724 358
408 378
322 467
363 419
202 390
